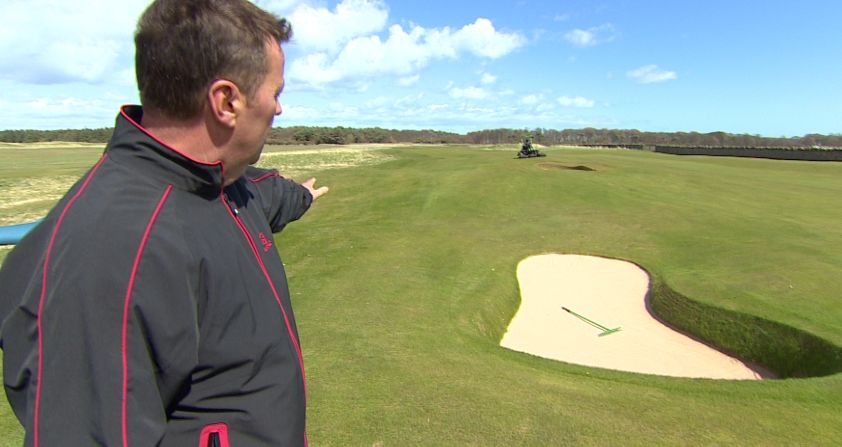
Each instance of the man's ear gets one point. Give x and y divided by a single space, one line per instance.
226 102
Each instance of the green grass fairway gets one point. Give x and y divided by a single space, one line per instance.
403 280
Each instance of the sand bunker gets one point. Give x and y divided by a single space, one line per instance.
609 293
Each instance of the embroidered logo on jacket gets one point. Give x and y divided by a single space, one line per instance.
267 243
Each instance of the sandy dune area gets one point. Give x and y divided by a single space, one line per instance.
601 295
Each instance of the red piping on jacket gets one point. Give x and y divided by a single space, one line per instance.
221 430
124 344
264 177
274 292
44 294
149 134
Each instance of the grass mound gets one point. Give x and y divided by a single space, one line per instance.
785 350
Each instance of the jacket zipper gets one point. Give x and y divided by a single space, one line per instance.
235 214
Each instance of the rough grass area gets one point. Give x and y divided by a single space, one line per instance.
403 281
34 176
26 199
297 161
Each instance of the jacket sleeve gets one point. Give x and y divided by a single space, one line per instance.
282 200
118 337
161 327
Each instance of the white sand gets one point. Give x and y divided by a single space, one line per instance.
610 293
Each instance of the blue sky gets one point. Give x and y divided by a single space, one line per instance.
772 68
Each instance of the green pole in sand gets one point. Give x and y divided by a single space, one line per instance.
605 330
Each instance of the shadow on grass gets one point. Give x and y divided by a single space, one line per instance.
784 350
549 166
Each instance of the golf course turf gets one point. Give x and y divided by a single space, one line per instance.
403 281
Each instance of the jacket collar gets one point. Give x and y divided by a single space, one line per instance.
131 140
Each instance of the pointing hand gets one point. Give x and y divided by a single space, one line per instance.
309 184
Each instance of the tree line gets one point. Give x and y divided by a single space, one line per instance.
633 137
587 136
70 135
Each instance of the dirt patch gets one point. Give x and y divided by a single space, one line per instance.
551 166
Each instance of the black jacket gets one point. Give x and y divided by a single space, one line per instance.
151 307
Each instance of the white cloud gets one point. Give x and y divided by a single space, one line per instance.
401 53
56 112
576 101
531 99
419 111
301 113
62 105
536 104
649 74
409 80
409 100
70 64
482 39
277 6
55 41
469 93
561 17
343 111
318 29
377 102
545 107
313 69
362 87
580 37
591 36
367 56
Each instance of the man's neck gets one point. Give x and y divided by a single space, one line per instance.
189 137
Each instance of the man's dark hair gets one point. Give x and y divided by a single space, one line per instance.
182 46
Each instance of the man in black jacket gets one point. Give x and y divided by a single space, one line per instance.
151 307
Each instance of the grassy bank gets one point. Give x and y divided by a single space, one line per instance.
403 279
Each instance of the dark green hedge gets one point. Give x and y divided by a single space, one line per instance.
777 153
